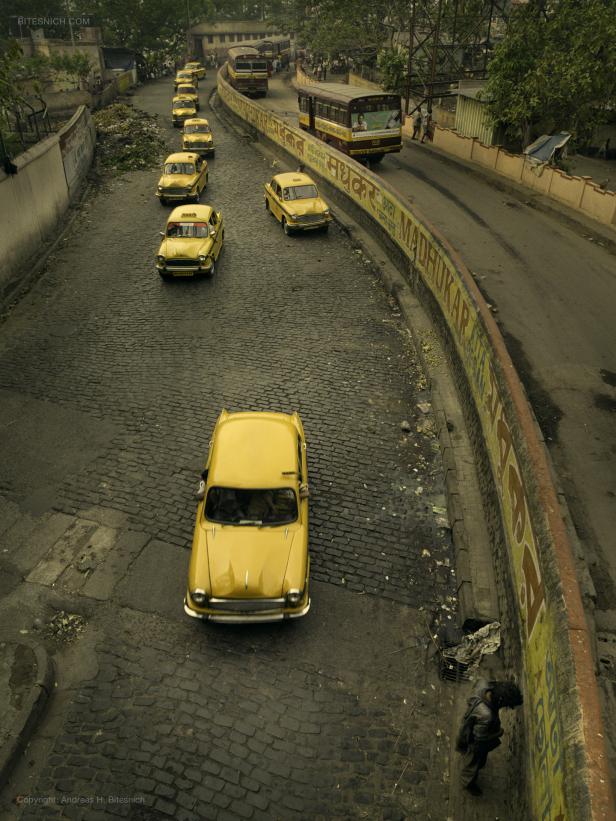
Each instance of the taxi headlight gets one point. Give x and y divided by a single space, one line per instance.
326 210
160 259
160 188
294 597
199 597
202 258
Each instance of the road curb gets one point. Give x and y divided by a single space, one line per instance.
34 707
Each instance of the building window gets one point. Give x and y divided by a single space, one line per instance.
222 38
210 38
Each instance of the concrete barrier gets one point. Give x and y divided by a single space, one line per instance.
567 766
579 193
34 200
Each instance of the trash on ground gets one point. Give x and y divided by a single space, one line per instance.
128 139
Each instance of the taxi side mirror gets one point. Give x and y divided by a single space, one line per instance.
162 233
212 231
200 494
304 492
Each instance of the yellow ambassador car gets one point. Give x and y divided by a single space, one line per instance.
192 242
294 200
189 90
197 69
182 108
185 76
197 137
249 560
184 177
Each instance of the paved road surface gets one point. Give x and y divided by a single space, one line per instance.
110 382
553 292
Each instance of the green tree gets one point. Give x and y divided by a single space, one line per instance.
555 69
392 64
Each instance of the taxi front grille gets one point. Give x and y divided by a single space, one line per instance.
174 191
310 219
198 144
245 605
182 263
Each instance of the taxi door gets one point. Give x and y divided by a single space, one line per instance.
202 171
215 224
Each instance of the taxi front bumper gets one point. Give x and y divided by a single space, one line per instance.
280 614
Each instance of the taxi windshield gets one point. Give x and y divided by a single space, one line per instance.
188 230
196 129
187 89
300 192
179 168
183 104
234 506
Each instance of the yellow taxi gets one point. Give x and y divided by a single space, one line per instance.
294 200
189 90
192 242
249 560
197 136
184 177
181 109
196 67
185 76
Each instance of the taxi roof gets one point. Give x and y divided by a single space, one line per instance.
183 85
254 450
183 213
294 178
182 156
196 121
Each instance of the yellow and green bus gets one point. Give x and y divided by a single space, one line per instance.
247 70
361 122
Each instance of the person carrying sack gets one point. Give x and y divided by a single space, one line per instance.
481 731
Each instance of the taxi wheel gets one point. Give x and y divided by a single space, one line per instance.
267 208
285 227
162 201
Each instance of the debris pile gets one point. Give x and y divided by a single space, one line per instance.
128 139
65 626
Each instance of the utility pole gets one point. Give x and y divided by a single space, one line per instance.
437 27
410 62
188 29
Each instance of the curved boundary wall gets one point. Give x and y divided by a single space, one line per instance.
34 200
567 768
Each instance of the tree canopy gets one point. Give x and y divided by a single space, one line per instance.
555 69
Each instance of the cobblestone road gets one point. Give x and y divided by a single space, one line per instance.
110 382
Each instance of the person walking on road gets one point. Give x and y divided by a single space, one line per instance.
417 118
426 122
481 729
